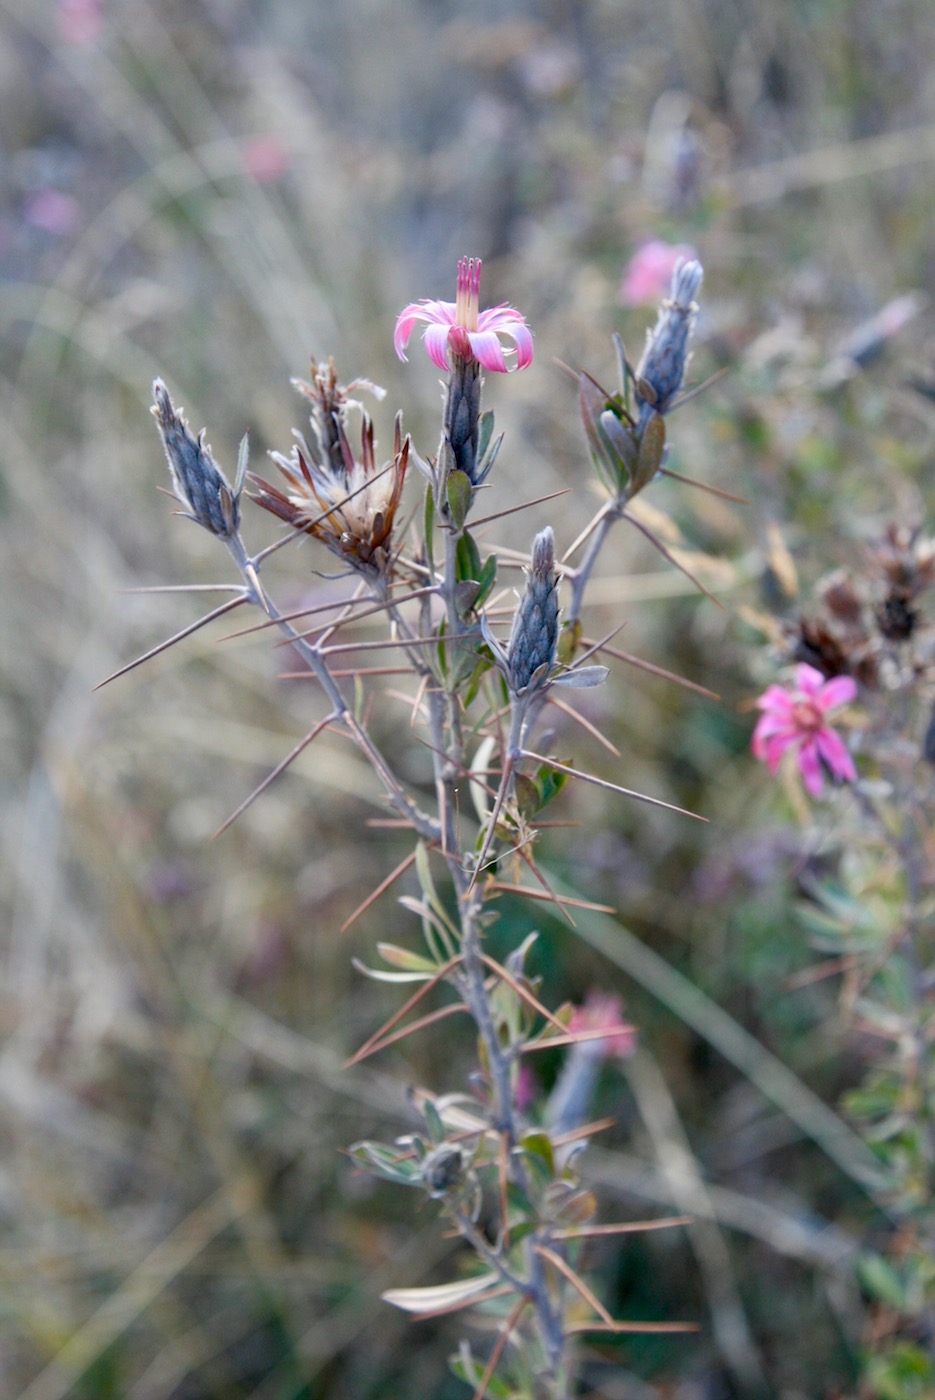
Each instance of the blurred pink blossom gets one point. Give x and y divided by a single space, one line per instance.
51 211
795 718
602 1011
266 158
79 21
647 275
457 326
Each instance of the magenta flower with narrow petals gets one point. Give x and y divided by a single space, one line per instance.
459 328
795 718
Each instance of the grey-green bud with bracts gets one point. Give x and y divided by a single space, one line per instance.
534 638
200 485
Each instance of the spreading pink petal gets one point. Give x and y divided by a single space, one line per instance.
839 691
777 699
486 348
648 273
808 680
810 768
477 334
436 343
836 755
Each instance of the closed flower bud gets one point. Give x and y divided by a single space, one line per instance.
534 638
200 485
661 371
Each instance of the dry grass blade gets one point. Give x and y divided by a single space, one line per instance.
178 637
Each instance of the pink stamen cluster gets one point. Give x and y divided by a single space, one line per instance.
796 718
458 328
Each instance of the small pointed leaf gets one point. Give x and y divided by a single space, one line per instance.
442 1295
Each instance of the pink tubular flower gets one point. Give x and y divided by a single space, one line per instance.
601 1011
458 327
647 275
795 719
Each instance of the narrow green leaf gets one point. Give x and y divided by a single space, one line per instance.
384 1161
433 1122
405 960
429 527
652 446
467 559
486 580
460 492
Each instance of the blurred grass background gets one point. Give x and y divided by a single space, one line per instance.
212 192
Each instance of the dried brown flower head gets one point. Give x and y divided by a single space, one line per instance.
346 501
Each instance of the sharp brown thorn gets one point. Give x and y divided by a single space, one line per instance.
653 670
402 1011
577 1283
606 508
521 991
703 486
178 637
384 885
511 510
440 1014
573 1037
666 554
612 787
634 1227
281 767
600 1125
525 892
503 1334
592 729
537 873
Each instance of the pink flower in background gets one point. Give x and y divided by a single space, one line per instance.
79 21
795 718
266 158
51 211
647 275
602 1011
457 326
